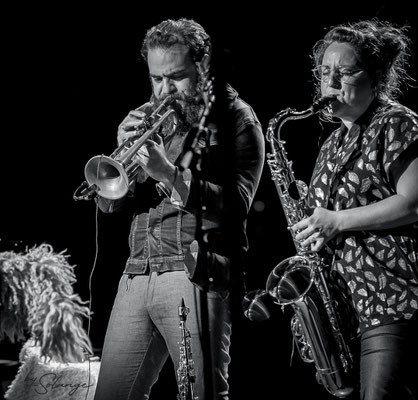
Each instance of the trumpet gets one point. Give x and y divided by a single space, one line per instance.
110 176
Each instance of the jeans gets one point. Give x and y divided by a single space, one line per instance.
143 332
388 362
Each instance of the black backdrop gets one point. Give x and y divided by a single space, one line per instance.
73 72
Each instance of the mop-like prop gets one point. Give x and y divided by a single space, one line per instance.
38 304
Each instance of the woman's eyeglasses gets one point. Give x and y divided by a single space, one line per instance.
341 74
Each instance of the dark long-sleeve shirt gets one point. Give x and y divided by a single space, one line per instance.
166 232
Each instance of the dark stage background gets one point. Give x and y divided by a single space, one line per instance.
73 72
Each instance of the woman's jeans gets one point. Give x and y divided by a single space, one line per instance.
388 362
144 330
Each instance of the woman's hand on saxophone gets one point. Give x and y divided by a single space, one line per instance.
129 127
317 229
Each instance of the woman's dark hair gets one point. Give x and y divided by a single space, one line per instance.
383 51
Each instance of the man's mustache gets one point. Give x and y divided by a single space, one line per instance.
188 108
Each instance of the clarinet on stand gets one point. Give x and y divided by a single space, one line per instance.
185 372
195 159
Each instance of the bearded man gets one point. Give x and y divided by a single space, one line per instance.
189 201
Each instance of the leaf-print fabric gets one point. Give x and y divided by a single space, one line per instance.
353 169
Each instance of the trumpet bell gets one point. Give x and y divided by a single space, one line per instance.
290 280
108 176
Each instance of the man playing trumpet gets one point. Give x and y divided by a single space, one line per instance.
189 202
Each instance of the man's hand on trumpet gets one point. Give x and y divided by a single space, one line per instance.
152 155
129 127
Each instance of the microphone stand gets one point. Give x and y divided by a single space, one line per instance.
202 134
196 159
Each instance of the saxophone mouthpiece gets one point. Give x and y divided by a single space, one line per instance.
323 102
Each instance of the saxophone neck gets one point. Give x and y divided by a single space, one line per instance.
288 114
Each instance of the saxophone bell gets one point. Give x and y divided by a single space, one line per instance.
290 280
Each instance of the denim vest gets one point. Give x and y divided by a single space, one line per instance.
163 235
159 239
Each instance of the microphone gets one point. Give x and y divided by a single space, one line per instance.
193 146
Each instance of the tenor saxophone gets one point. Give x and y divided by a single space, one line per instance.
300 280
185 372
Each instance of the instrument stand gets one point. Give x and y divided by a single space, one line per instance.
196 159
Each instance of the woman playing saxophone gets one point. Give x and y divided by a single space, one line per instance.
364 196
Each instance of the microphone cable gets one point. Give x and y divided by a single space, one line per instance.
96 252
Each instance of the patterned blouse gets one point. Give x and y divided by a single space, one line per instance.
354 168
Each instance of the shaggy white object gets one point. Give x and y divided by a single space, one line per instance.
41 380
37 299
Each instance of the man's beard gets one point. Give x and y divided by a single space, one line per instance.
188 109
